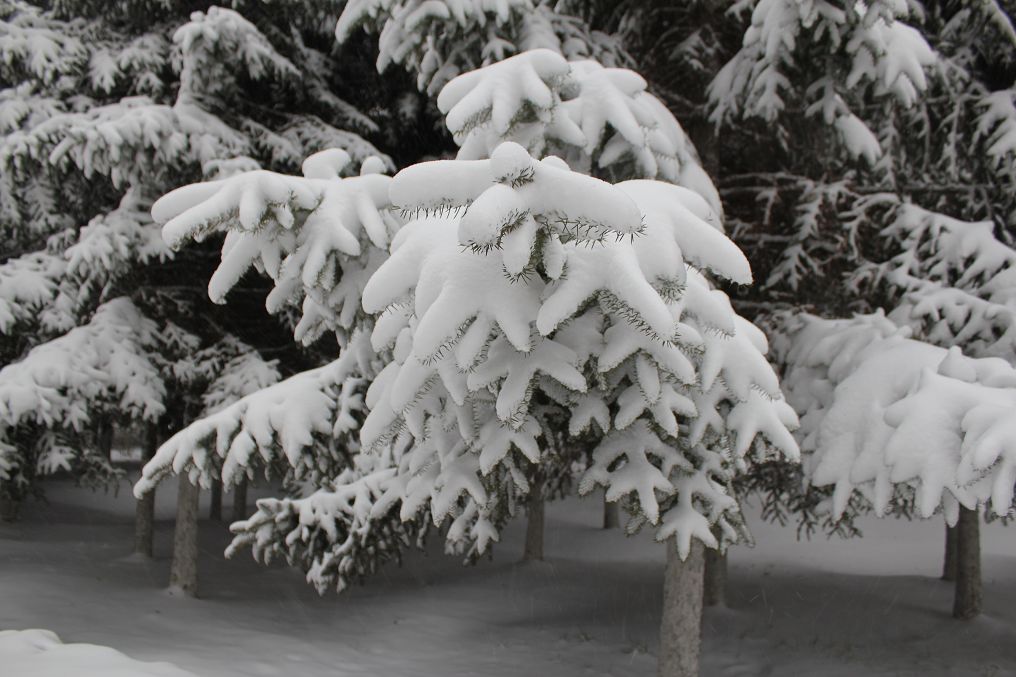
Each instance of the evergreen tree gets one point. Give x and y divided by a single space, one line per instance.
895 421
520 299
104 108
630 133
906 207
866 160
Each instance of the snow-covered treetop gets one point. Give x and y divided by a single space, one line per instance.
438 39
599 120
511 199
882 411
207 49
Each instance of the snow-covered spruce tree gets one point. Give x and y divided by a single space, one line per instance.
625 132
950 252
490 349
956 289
104 109
905 106
603 121
652 143
891 419
104 367
620 335
343 531
910 108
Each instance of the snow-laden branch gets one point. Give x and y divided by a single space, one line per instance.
438 39
107 363
874 50
597 119
294 420
318 237
956 279
881 410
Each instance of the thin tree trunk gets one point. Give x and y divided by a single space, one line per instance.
967 603
104 438
952 535
681 626
215 510
144 512
183 573
611 514
714 587
534 523
240 500
9 508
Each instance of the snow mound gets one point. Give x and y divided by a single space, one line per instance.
40 653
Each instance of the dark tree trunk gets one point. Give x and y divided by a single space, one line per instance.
714 587
183 573
952 535
611 514
215 510
534 522
967 603
9 508
240 500
681 625
104 438
144 512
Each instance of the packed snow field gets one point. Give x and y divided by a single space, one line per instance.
872 606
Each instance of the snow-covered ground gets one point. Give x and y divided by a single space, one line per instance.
40 653
828 608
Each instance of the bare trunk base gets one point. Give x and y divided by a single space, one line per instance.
714 587
9 509
240 500
215 510
144 525
681 625
967 602
534 523
144 511
611 514
950 562
183 573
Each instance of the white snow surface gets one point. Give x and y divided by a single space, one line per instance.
827 608
40 653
